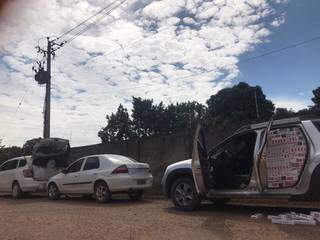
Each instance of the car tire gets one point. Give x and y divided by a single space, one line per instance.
101 192
16 190
53 191
136 195
184 194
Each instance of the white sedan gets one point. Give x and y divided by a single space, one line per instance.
102 175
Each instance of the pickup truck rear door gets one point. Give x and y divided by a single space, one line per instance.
200 164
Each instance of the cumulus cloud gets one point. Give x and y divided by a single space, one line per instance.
166 50
291 103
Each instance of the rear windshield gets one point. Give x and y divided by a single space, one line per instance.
121 159
317 124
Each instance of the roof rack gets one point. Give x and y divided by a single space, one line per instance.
275 123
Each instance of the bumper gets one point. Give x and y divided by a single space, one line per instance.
127 183
31 185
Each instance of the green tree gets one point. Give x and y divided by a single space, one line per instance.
144 116
237 105
316 98
1 146
281 113
184 116
9 152
119 126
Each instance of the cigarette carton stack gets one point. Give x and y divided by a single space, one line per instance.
285 157
293 218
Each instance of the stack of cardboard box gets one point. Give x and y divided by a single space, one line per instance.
285 157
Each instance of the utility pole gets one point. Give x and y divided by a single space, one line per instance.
47 108
256 101
43 76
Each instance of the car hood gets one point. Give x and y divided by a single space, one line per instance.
59 175
181 164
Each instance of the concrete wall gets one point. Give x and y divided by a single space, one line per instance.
157 151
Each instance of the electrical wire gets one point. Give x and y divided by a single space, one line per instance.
15 113
281 49
94 22
86 20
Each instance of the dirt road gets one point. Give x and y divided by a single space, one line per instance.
36 218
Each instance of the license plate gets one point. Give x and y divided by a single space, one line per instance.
141 181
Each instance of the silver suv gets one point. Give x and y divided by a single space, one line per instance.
279 159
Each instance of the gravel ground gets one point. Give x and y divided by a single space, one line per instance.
153 218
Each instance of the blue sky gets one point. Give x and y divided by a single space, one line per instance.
294 73
170 51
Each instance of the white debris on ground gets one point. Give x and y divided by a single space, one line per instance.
256 216
292 218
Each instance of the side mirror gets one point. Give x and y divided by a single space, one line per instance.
64 171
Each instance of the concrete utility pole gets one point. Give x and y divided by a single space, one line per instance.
47 107
43 76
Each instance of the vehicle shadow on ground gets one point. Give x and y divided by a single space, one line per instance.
72 200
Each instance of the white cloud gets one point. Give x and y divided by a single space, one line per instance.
290 103
167 50
277 22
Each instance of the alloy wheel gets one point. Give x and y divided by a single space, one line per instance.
53 191
183 194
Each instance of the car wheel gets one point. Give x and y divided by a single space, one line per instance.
53 192
184 194
102 193
16 190
136 195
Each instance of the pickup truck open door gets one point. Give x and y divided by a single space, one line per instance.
200 163
261 164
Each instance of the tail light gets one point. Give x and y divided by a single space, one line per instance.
120 169
28 173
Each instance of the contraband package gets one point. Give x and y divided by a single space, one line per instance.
285 157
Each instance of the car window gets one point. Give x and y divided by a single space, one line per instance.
22 163
118 159
4 166
91 163
317 124
9 165
75 167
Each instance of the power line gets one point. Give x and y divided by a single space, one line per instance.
15 112
281 49
86 20
95 22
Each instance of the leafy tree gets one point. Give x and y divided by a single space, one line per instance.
119 126
144 116
316 98
184 116
9 152
281 113
1 146
237 104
